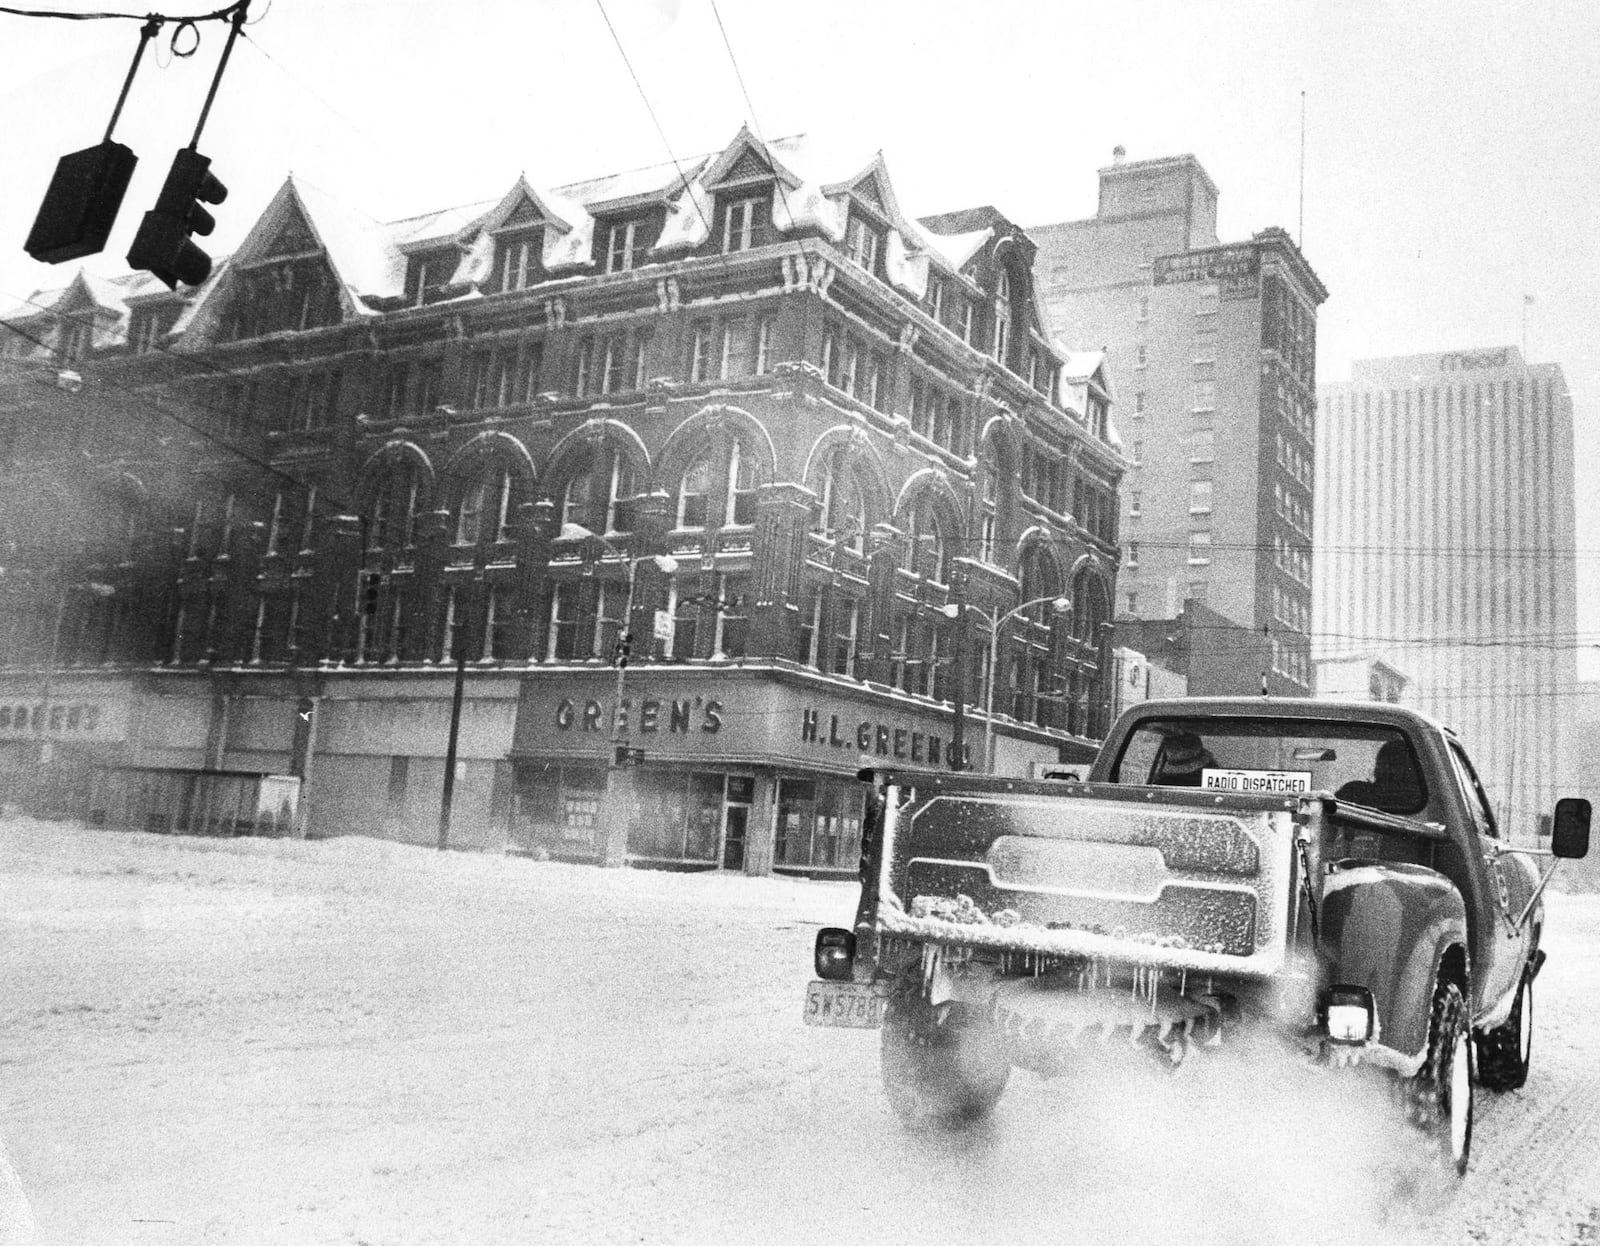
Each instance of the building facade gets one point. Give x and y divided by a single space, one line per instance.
1445 542
787 453
1214 350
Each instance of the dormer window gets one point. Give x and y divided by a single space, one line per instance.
74 339
1002 316
148 328
861 244
745 221
517 260
430 276
622 246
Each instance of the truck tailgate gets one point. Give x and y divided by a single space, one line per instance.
1184 883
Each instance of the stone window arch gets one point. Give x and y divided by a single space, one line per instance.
601 481
842 512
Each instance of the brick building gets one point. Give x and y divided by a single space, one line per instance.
811 448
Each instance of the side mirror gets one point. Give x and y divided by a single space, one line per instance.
1569 837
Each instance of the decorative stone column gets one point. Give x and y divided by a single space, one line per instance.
883 559
783 516
333 595
432 537
535 528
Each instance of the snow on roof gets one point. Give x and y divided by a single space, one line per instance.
657 181
954 249
815 177
362 250
1080 364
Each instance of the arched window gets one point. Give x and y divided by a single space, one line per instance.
391 514
1090 711
602 482
988 505
694 488
486 506
741 508
1039 580
843 513
1002 316
928 556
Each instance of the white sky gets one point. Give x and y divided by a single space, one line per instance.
1452 156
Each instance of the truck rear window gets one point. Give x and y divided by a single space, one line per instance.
1364 764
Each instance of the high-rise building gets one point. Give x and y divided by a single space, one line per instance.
1445 542
1214 349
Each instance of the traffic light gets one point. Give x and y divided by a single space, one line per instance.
621 651
81 204
163 246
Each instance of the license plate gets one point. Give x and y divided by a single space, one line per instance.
843 1003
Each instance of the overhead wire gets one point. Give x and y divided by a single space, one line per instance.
683 180
221 14
340 505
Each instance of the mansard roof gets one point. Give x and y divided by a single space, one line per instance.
812 183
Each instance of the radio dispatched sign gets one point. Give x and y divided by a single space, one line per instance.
1235 269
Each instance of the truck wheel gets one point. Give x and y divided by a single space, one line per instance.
942 1066
1441 1092
1505 1051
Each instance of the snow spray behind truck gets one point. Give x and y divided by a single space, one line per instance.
1332 873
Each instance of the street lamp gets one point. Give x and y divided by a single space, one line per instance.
995 622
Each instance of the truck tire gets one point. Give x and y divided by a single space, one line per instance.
1441 1092
942 1066
1505 1051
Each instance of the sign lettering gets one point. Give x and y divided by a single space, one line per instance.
681 715
1234 267
1464 361
65 718
875 738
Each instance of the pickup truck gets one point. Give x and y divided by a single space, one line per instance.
1329 872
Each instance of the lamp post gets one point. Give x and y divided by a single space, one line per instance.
995 621
458 641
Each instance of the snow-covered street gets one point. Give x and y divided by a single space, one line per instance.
354 1041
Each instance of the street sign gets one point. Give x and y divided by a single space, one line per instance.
664 623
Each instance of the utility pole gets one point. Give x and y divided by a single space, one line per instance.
458 643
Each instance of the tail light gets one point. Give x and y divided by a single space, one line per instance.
835 954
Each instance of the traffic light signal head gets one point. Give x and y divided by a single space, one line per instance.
163 245
81 205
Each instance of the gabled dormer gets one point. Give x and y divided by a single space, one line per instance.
871 213
518 247
522 239
742 183
283 278
150 320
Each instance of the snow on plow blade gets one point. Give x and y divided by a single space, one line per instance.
1097 878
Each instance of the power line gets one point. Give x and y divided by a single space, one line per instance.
60 15
656 121
271 469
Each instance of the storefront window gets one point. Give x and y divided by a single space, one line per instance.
558 810
681 817
819 824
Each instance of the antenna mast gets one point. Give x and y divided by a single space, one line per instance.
1300 236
